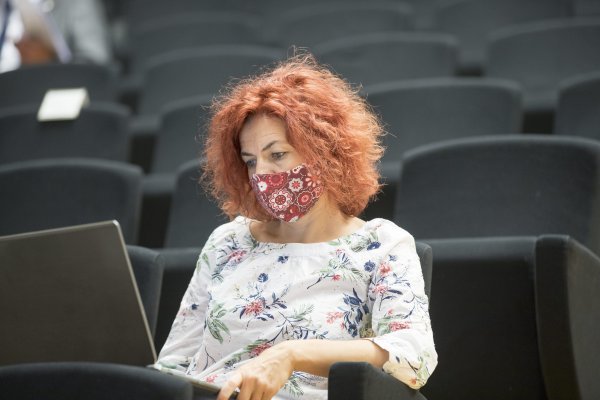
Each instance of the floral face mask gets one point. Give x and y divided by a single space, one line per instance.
287 195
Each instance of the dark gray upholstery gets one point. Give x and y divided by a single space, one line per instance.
585 8
180 134
157 194
386 56
502 186
483 320
540 55
27 85
310 24
426 111
89 381
140 12
515 318
578 110
148 267
382 206
187 29
471 22
51 193
568 317
100 131
199 71
194 214
179 139
423 13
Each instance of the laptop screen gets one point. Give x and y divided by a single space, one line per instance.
69 294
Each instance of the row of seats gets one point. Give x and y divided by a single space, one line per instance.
537 57
415 113
371 57
282 24
47 193
472 187
369 43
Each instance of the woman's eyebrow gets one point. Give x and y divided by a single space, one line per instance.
267 147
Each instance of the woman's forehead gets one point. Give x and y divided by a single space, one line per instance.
262 128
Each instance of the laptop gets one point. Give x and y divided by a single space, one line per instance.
69 294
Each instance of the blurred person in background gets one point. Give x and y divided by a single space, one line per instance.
78 28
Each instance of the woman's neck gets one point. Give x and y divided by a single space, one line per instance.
322 224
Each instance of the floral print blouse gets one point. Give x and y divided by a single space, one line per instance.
246 296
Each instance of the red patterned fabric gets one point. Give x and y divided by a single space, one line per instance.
287 195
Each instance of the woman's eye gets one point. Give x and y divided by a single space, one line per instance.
278 155
250 163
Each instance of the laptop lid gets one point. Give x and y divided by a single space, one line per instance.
69 294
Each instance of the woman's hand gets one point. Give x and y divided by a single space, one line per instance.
34 51
261 377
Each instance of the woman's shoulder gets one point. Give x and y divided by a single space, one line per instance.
386 230
236 230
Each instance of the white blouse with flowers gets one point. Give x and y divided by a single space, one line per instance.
246 296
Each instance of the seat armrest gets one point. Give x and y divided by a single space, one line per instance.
362 381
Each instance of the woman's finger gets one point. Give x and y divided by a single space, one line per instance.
230 386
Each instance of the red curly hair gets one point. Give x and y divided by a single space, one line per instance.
331 127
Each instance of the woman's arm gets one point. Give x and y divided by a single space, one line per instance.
400 311
316 356
263 376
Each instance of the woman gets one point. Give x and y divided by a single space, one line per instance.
296 282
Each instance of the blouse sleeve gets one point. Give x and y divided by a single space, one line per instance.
400 316
187 330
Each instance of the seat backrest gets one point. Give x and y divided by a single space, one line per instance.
484 320
583 8
382 57
140 12
90 381
382 206
187 30
193 215
28 84
51 193
526 301
310 24
539 55
568 317
471 21
502 186
198 71
180 133
421 112
100 131
148 266
578 110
